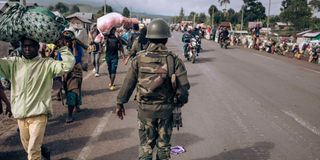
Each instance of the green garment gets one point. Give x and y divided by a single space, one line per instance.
151 108
154 132
31 82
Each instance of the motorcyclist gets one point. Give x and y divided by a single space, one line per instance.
224 34
196 33
186 37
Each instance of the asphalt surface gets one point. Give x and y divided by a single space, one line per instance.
243 105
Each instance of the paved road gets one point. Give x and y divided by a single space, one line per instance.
244 105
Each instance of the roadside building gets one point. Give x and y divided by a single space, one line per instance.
312 36
80 20
282 26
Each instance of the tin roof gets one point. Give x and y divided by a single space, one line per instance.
311 35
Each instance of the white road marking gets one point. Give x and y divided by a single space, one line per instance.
85 152
302 122
311 70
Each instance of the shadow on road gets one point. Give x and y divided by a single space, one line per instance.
259 151
11 141
204 60
127 154
95 92
72 144
193 84
193 75
184 139
13 155
57 125
206 50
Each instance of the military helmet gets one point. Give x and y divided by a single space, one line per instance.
158 29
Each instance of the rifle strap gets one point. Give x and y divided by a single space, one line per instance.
171 69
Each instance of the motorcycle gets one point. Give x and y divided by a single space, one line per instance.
225 43
192 50
198 43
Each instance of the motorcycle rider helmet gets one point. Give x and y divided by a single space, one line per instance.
158 29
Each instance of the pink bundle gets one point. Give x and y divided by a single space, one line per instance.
110 20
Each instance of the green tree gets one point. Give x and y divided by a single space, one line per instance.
296 12
212 10
126 12
219 17
224 2
74 9
174 19
61 7
202 18
191 16
233 16
253 10
100 12
51 8
181 15
315 23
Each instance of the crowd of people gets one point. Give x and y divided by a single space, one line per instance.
37 73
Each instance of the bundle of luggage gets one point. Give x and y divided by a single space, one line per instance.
36 23
110 20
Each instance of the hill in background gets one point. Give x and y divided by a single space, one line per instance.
95 8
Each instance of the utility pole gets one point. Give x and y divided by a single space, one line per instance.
105 7
130 12
242 17
268 19
194 19
212 17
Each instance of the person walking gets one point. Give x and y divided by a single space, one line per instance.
4 98
73 79
152 72
113 46
133 44
31 81
94 50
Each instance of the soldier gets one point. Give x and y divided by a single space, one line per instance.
152 72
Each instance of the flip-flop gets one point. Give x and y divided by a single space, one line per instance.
177 150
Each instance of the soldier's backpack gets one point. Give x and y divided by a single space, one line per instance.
154 82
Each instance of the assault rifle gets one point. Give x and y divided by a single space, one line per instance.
176 113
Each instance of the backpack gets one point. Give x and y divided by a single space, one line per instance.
154 77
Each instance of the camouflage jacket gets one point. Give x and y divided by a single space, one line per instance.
157 99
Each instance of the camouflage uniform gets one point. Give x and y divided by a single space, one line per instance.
149 71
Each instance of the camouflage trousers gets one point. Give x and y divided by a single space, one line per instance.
154 132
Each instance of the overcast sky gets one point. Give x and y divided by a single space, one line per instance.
172 7
169 7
